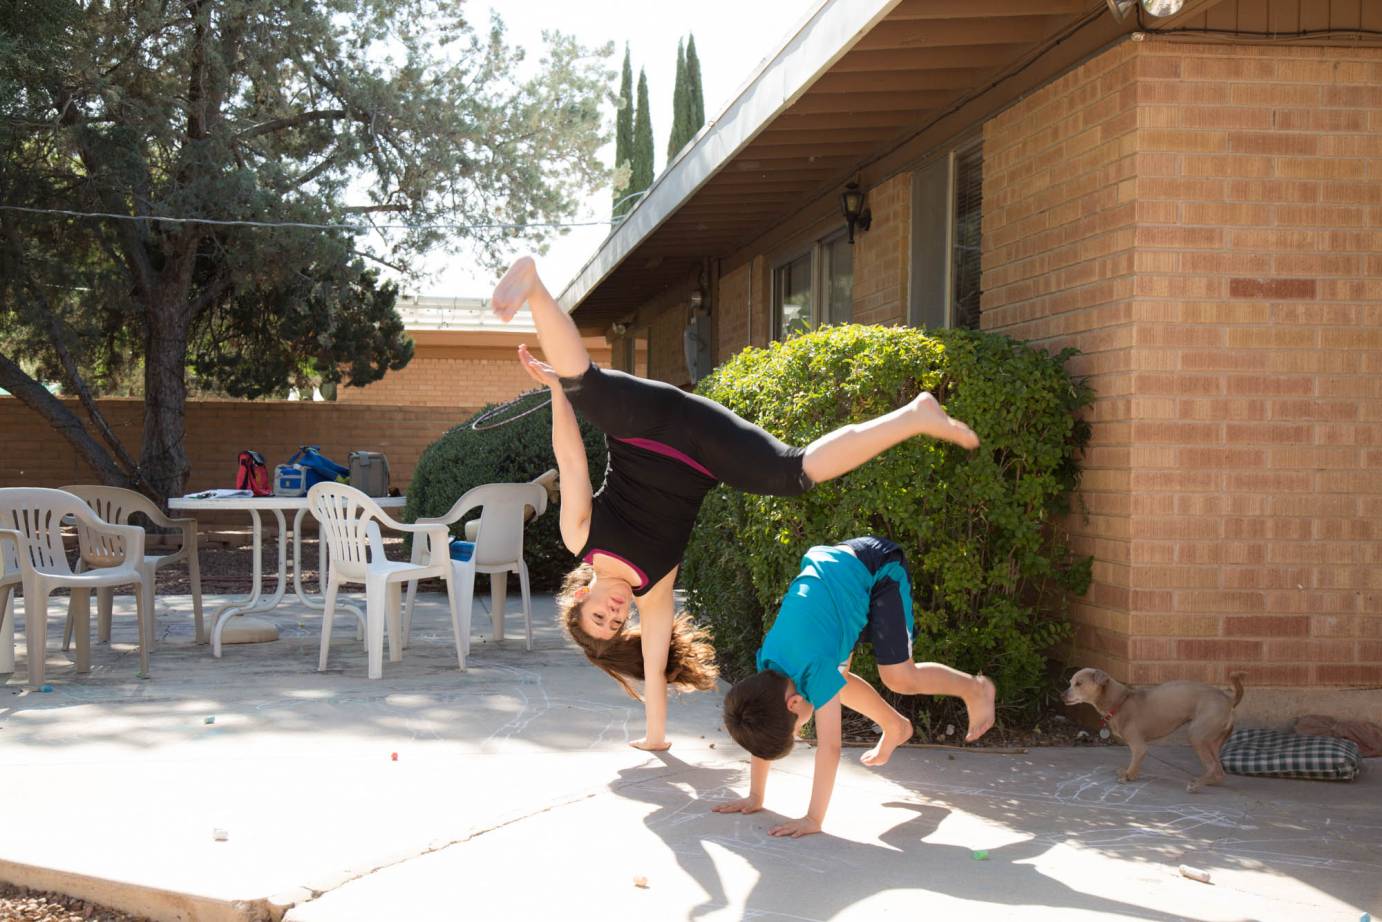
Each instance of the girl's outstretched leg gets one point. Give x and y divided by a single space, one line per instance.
561 342
846 448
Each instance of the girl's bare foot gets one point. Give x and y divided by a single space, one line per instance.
935 422
513 289
894 735
651 747
979 703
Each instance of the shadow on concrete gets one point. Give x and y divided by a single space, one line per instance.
790 871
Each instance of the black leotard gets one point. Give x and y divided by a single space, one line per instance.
667 450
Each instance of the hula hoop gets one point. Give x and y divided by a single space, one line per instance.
493 418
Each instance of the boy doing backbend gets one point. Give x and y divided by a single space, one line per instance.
855 591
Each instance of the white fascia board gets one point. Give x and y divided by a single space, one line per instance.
829 32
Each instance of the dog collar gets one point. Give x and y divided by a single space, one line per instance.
1109 716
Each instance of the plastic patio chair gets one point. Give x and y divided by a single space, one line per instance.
35 517
498 542
117 505
349 522
10 544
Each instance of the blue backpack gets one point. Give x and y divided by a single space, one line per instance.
319 467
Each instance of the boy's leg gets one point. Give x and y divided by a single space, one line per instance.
938 679
858 695
562 347
846 448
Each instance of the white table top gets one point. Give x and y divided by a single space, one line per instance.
235 503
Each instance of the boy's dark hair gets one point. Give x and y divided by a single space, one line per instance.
757 716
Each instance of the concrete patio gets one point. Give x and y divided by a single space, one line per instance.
514 795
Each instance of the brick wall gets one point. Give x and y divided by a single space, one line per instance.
1229 306
883 253
35 456
1057 270
744 291
455 369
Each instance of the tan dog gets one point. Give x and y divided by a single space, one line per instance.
1141 715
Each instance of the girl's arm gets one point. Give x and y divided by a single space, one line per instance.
573 470
656 615
823 782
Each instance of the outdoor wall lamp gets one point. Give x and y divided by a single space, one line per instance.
856 212
618 329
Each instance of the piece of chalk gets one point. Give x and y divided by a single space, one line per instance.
641 882
393 756
981 855
220 835
1194 873
209 720
45 688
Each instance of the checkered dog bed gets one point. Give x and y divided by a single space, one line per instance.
1289 755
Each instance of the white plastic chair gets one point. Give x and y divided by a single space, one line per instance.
498 544
117 505
10 543
35 517
349 522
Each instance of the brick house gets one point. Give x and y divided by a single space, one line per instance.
463 357
1194 202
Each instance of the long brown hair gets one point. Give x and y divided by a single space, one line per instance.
690 659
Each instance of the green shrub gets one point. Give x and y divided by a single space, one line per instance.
989 570
464 458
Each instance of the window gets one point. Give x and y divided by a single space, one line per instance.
635 353
947 211
837 278
792 297
815 288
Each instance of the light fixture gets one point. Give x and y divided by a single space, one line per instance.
618 329
1162 8
856 212
1120 8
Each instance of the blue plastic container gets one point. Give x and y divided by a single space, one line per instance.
462 550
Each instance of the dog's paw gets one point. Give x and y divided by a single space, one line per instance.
1193 787
1123 777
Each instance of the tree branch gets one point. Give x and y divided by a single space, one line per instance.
36 397
291 121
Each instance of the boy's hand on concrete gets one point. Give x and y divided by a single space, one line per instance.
796 828
744 805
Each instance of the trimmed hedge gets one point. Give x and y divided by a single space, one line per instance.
990 572
464 458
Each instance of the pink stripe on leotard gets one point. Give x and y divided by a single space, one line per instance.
670 452
590 559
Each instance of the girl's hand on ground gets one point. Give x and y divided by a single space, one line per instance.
651 747
745 805
540 372
796 828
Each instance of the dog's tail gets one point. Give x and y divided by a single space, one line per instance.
1237 679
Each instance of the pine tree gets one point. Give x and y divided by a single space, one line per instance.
681 113
623 137
693 82
641 176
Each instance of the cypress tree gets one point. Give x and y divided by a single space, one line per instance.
623 132
642 159
696 94
681 112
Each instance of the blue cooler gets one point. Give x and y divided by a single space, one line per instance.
462 550
290 480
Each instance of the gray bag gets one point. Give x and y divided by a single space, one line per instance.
369 472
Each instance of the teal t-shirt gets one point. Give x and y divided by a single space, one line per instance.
822 615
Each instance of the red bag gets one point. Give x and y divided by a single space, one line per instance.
253 474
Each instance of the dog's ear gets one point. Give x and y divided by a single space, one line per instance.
1100 678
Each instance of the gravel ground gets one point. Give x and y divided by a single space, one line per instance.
19 904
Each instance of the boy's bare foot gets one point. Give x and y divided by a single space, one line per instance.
980 706
894 735
513 289
651 747
935 422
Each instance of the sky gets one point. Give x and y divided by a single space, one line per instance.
732 37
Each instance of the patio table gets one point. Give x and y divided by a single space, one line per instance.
278 505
